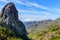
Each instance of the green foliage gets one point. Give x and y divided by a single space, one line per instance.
7 34
54 27
56 38
13 38
40 34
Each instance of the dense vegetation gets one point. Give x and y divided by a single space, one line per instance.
49 33
56 38
7 34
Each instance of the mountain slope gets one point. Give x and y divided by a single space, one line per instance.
37 24
49 32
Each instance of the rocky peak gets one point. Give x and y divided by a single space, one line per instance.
9 10
9 18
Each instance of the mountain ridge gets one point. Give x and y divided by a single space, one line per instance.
33 24
50 31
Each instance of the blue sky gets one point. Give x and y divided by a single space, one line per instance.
34 10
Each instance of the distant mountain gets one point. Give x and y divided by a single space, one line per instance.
47 30
34 24
42 24
57 21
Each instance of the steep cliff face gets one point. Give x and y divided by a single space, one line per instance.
9 18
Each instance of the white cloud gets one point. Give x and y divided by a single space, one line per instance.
36 15
36 12
56 10
28 4
4 1
17 1
30 17
26 17
25 20
32 4
38 5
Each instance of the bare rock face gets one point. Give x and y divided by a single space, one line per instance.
9 17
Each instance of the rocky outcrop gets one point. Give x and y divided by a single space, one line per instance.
9 17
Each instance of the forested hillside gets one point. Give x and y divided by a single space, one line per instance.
7 34
49 32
